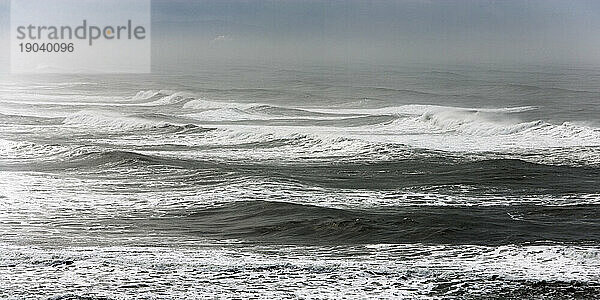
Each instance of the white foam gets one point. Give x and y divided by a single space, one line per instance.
373 271
26 150
473 130
143 95
418 109
100 120
203 104
169 99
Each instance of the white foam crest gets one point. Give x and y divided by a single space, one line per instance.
148 94
473 123
482 124
419 109
212 111
248 134
169 99
143 95
473 134
271 144
203 104
96 120
568 130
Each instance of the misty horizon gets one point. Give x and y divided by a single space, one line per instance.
399 32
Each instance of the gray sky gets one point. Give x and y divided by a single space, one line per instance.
411 31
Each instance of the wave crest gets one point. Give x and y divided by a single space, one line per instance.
477 123
103 121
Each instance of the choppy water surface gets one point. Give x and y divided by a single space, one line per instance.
322 182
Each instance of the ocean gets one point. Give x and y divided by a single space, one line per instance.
302 181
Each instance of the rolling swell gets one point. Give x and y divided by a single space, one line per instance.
510 176
304 224
114 122
485 177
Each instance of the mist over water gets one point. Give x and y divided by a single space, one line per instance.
306 149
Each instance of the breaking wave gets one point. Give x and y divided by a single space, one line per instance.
486 124
103 121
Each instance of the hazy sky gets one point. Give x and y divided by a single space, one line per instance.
421 31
